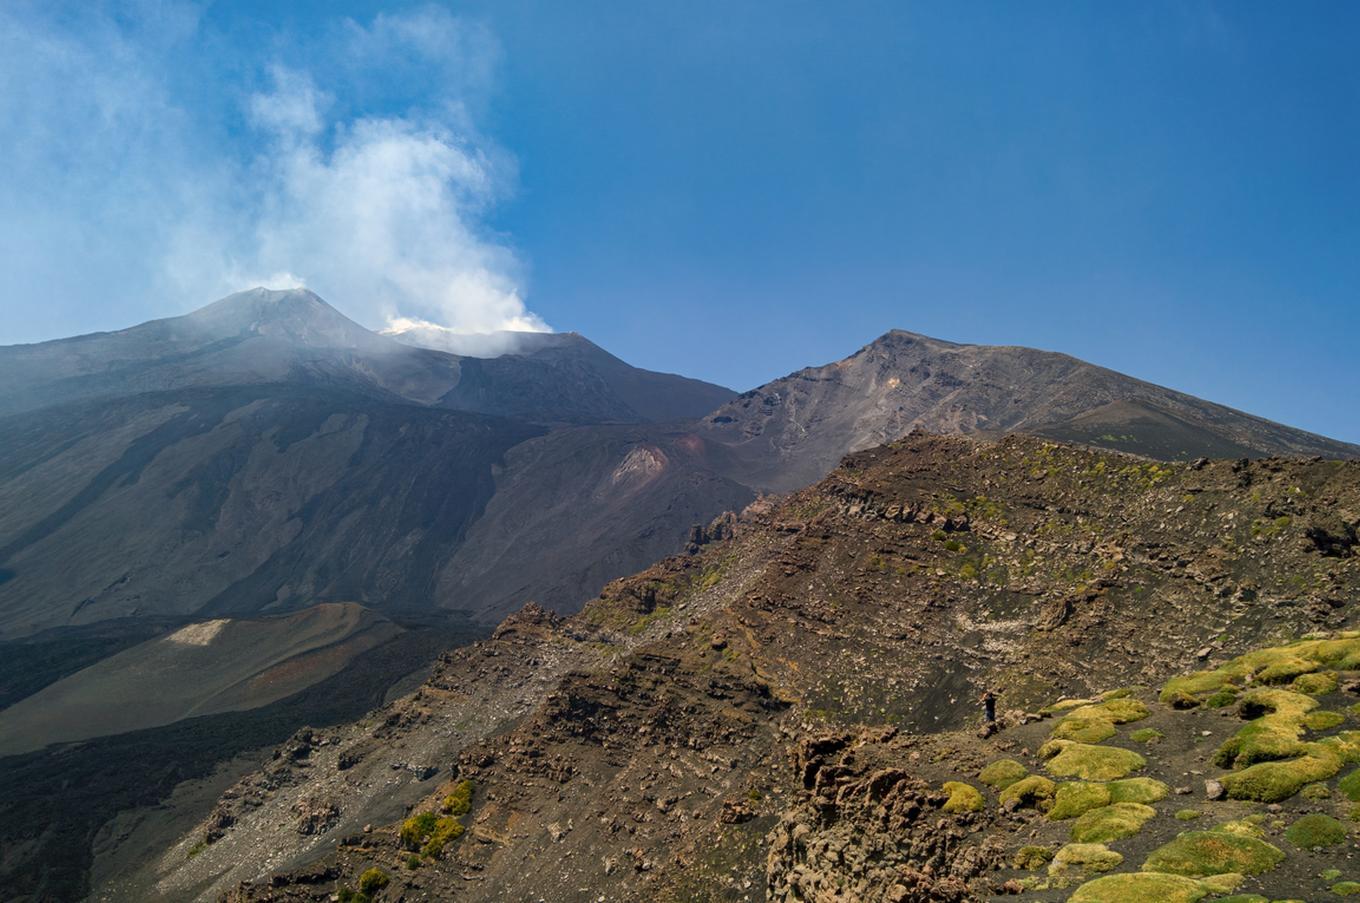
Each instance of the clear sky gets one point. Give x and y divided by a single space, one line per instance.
729 190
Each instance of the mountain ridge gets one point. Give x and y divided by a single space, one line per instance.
671 740
262 335
793 429
558 422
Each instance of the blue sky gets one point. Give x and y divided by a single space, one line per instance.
728 190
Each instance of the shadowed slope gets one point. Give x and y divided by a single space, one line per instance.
231 501
566 378
213 666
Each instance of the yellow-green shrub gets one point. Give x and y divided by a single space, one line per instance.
1002 773
962 797
459 802
1067 758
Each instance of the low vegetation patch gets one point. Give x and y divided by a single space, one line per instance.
1319 684
1318 791
1275 731
1068 758
1002 773
1032 857
1217 852
1221 699
660 613
1111 822
1271 782
1074 798
1067 705
372 881
1350 786
1034 791
1276 664
1093 723
459 802
1141 887
1323 721
1084 857
416 829
1137 790
1316 830
430 833
962 797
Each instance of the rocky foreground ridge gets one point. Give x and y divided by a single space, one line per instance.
778 713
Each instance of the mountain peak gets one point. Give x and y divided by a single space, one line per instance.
903 380
266 302
906 337
275 295
295 314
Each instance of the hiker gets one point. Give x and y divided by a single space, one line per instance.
988 700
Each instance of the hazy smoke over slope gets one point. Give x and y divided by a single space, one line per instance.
425 334
354 167
386 212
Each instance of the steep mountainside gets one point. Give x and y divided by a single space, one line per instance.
63 802
251 338
292 457
235 500
793 430
564 377
585 505
702 729
264 336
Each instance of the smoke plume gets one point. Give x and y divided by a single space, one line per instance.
350 164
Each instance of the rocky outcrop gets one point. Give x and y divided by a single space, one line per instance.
865 831
721 527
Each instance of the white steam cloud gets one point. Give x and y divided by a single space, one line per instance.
390 210
353 168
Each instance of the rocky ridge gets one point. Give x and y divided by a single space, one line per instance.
661 743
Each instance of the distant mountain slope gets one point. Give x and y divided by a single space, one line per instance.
564 377
266 453
581 504
214 666
234 500
251 338
263 336
793 430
